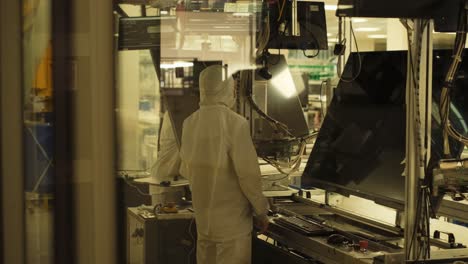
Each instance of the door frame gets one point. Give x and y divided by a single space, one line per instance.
11 118
69 233
64 206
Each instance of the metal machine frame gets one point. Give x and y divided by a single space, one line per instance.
160 238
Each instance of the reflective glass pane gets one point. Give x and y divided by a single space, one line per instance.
163 47
38 130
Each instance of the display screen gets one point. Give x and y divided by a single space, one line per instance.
360 148
283 103
309 32
445 13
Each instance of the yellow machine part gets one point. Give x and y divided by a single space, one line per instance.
43 78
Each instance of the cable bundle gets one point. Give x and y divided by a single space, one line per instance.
264 35
449 130
292 165
287 167
421 230
343 42
276 125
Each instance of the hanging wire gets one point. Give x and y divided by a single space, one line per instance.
136 188
264 36
245 80
421 231
281 11
286 168
352 79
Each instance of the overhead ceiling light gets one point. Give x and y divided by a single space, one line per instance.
359 20
366 29
447 33
377 36
176 64
343 7
241 14
331 7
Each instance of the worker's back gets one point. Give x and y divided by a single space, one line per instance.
219 159
221 207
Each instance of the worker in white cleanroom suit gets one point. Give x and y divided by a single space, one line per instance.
219 160
166 168
168 162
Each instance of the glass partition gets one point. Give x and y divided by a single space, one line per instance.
38 130
138 111
163 47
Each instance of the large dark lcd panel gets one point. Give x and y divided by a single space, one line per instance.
361 145
444 12
283 103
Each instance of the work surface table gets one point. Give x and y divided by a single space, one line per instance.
385 245
319 248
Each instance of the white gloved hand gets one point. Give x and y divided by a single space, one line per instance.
261 223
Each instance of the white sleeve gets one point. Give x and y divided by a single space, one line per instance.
168 162
245 163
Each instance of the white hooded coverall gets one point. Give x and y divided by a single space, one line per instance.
168 162
219 160
167 166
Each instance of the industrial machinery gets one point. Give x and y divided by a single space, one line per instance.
278 126
362 147
359 152
158 237
271 104
433 131
451 176
336 237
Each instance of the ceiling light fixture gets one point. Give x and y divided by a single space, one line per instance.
446 33
176 64
359 20
366 29
377 36
344 7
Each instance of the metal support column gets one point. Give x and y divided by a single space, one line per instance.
418 114
12 231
